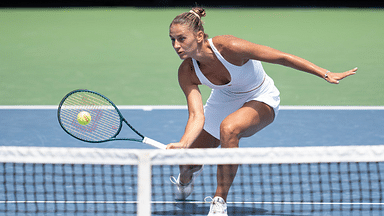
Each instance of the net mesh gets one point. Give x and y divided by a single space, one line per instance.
269 181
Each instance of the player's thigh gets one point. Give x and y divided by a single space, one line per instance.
205 140
248 120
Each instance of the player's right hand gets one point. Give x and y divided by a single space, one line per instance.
176 146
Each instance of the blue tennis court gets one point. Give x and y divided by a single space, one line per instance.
300 126
292 127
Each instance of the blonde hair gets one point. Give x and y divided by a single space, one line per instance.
192 18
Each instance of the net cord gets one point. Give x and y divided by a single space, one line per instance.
270 155
146 158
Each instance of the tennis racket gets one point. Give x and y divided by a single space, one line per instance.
103 120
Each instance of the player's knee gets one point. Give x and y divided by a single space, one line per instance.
228 131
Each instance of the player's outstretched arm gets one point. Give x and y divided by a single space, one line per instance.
244 50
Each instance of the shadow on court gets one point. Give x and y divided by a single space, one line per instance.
185 209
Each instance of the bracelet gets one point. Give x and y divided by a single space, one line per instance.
326 74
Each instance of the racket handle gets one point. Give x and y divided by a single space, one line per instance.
153 143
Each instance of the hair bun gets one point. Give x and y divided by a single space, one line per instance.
200 11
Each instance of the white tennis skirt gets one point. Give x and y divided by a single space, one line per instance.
221 103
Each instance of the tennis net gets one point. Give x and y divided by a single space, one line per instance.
270 181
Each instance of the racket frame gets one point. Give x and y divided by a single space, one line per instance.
142 138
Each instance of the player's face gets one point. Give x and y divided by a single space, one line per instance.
183 40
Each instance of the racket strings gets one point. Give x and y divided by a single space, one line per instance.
105 121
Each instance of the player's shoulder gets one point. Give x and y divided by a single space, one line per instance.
186 66
227 42
186 74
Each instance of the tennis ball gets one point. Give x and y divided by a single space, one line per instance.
84 118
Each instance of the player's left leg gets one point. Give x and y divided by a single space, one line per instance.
246 121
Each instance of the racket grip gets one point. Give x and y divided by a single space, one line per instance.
153 143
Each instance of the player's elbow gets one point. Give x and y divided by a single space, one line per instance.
197 117
200 117
285 60
280 59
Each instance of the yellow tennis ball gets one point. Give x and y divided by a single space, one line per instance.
84 118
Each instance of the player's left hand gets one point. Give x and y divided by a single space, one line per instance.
336 77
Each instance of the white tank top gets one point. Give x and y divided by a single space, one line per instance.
244 78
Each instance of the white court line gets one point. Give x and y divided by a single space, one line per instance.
184 107
124 107
176 202
331 107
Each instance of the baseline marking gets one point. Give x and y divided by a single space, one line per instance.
184 107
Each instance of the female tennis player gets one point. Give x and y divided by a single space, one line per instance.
243 100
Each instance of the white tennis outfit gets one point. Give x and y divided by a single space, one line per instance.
248 82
